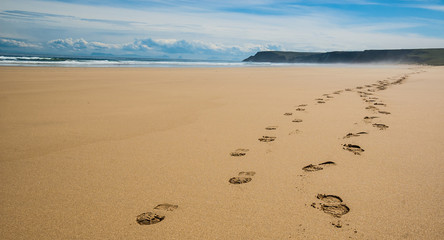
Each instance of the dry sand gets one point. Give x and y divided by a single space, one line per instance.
83 152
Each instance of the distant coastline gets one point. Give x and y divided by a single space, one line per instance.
433 56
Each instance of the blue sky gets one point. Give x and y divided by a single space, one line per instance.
215 29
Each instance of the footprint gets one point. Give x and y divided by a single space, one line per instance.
380 126
288 114
243 177
319 99
335 210
300 109
267 139
239 152
328 96
357 150
369 118
297 131
337 92
149 218
297 120
271 128
302 105
314 168
166 207
320 102
373 108
331 204
380 104
329 198
327 163
348 89
250 173
349 135
384 112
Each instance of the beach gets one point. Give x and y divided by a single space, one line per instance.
333 152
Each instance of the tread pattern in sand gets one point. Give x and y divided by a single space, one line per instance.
149 218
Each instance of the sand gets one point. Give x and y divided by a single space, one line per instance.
85 152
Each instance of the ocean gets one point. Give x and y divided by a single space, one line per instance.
45 61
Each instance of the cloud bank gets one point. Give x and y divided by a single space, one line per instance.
172 48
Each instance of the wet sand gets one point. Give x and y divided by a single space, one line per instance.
244 153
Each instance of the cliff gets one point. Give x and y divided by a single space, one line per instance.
402 56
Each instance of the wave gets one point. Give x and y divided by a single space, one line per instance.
79 62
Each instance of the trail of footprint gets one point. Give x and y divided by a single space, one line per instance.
149 218
243 177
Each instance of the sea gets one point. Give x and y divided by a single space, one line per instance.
50 61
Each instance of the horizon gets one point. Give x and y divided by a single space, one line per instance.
209 30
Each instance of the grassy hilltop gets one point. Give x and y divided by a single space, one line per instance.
405 56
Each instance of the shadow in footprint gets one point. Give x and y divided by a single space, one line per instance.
297 120
271 128
384 112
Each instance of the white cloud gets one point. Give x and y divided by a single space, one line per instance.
15 43
79 44
432 7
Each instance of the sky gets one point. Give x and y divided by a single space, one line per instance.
215 29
